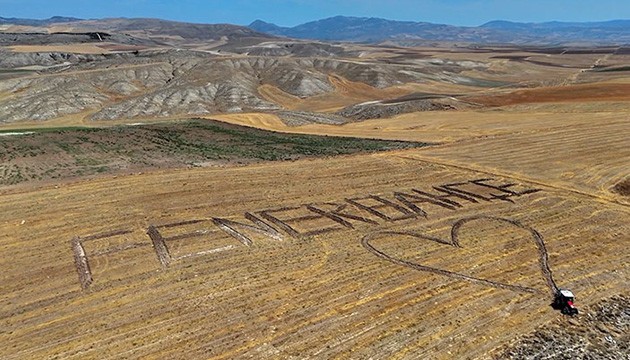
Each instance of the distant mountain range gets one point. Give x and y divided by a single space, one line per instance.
362 29
166 28
34 22
164 31
375 30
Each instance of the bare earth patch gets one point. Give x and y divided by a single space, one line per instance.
600 332
622 188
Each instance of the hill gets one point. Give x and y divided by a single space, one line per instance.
169 32
36 22
363 29
158 27
346 28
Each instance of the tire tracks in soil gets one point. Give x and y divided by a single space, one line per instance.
454 241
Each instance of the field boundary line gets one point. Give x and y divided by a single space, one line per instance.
609 201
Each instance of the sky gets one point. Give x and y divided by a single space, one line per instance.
294 12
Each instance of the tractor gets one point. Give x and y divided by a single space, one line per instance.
563 301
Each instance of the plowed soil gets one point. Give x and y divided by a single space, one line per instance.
622 188
573 93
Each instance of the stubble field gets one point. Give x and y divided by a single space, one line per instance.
314 285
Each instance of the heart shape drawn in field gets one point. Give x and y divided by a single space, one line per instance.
543 259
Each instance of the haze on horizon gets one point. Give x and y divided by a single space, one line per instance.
294 12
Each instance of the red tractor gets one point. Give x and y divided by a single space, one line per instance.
564 302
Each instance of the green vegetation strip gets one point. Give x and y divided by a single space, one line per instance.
43 130
612 69
60 153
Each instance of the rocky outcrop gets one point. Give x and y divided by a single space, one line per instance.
299 118
379 109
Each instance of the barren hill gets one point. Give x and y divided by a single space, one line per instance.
104 82
171 82
157 28
167 32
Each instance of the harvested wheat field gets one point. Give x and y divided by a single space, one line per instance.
450 251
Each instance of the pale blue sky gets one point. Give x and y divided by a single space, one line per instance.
293 12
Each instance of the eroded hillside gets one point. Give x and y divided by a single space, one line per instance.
168 83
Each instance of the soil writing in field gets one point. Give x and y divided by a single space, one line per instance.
308 220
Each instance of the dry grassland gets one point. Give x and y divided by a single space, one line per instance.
590 157
447 126
584 152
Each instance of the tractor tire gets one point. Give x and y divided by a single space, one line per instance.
569 311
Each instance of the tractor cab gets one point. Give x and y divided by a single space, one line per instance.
564 302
